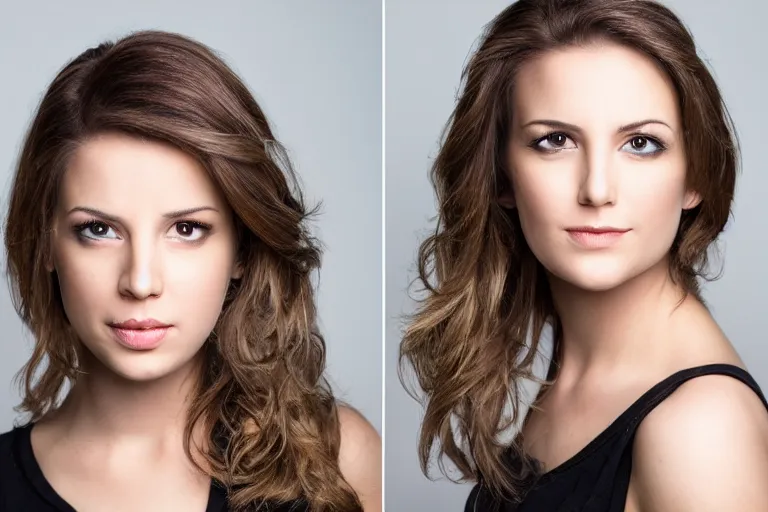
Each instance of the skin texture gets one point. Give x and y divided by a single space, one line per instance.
673 472
626 326
145 265
121 426
613 183
120 429
360 458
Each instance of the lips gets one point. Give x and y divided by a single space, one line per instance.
149 323
589 237
140 334
596 230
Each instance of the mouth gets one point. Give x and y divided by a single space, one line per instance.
601 237
596 230
133 324
140 334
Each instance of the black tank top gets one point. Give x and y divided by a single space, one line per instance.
596 479
23 487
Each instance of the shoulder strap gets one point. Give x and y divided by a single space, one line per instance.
619 466
658 393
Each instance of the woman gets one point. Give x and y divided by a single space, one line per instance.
162 261
587 168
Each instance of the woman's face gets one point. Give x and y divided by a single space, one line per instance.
141 234
597 145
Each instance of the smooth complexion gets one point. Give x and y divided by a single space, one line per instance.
597 165
137 223
141 235
144 248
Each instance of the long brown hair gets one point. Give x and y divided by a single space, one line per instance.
485 292
265 359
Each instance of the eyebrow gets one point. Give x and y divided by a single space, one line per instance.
170 215
572 127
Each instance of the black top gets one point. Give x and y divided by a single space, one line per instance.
596 479
23 486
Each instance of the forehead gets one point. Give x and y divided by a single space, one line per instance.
115 170
600 84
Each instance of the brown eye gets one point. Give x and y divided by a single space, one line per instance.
553 142
99 228
190 231
185 229
557 139
643 146
95 230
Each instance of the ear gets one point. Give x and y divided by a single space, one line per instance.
506 194
49 259
692 200
237 271
507 199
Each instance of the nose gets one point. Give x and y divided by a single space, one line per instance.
598 183
141 276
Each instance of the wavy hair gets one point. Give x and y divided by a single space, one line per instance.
473 339
264 362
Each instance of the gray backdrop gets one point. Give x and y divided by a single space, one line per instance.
315 68
427 43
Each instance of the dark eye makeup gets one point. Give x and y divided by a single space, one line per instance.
638 142
94 229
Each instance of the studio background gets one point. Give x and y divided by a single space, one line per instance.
315 69
427 44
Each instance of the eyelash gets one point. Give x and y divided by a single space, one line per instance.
82 226
534 144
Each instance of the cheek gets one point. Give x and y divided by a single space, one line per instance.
194 282
195 289
198 283
542 200
85 283
655 201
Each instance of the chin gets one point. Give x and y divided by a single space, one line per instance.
593 274
139 366
146 372
594 283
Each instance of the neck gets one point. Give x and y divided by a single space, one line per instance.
104 404
617 329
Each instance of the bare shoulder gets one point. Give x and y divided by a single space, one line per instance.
705 448
358 437
360 457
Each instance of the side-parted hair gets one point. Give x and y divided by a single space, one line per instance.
262 388
485 292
